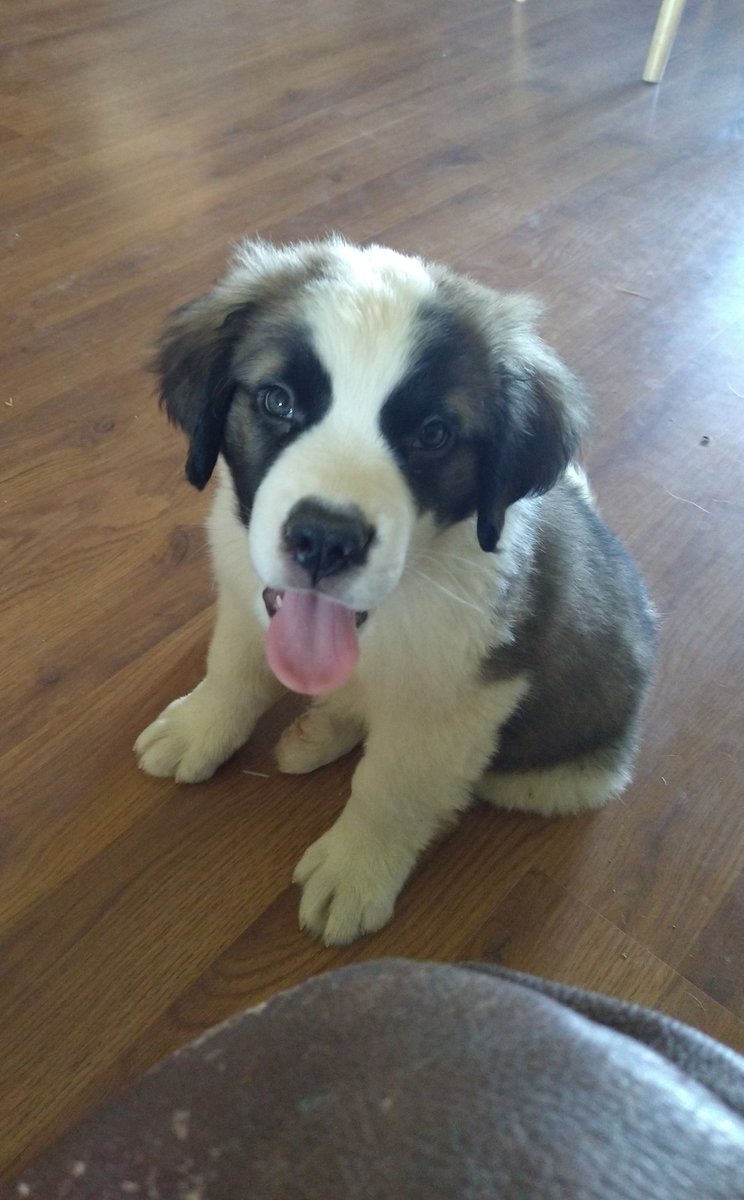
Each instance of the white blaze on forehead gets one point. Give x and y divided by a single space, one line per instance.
364 323
362 318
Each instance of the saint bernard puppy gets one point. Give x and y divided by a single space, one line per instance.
398 531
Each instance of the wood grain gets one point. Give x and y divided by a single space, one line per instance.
138 139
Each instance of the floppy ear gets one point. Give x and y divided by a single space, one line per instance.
539 420
194 362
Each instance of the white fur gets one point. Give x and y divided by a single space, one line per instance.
576 475
198 732
364 338
557 792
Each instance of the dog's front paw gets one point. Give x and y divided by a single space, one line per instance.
316 738
191 738
346 891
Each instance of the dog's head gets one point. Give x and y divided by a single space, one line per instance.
362 399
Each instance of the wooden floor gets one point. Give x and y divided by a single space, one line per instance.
138 139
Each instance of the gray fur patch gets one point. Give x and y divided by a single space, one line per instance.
583 629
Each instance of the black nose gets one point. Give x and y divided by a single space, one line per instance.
325 541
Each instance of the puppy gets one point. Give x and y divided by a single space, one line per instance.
399 531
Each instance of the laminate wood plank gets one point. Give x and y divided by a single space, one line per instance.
545 930
216 863
265 958
83 215
59 810
713 962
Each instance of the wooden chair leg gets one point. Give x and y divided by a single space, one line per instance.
667 24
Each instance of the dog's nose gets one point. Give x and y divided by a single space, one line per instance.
325 541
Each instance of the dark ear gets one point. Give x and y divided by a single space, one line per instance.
538 422
194 362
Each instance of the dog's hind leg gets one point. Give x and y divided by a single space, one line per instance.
557 791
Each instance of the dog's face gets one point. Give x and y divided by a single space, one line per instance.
363 401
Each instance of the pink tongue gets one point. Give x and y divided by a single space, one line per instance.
312 643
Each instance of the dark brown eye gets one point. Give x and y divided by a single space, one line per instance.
276 401
434 434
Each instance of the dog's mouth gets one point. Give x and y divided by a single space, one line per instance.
272 598
311 644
